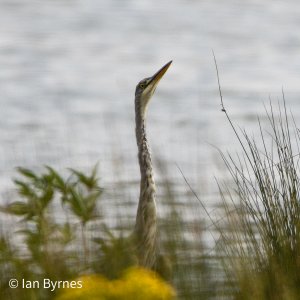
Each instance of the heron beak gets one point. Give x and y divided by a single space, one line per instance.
158 75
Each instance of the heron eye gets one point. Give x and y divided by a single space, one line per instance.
142 85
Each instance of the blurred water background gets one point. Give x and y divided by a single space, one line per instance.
68 71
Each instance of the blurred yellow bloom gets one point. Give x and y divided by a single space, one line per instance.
136 283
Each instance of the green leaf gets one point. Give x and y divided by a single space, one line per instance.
47 197
89 181
27 173
58 180
17 208
25 190
76 202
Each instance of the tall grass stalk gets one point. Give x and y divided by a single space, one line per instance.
261 239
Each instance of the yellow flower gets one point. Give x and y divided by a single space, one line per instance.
144 284
136 283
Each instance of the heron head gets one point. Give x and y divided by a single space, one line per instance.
146 87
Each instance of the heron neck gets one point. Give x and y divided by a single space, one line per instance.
144 155
145 226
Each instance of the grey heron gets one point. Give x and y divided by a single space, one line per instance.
146 224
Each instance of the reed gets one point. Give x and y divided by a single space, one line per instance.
260 240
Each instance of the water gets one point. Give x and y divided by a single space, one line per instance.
68 70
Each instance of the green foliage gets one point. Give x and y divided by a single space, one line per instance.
261 240
75 241
115 254
48 241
